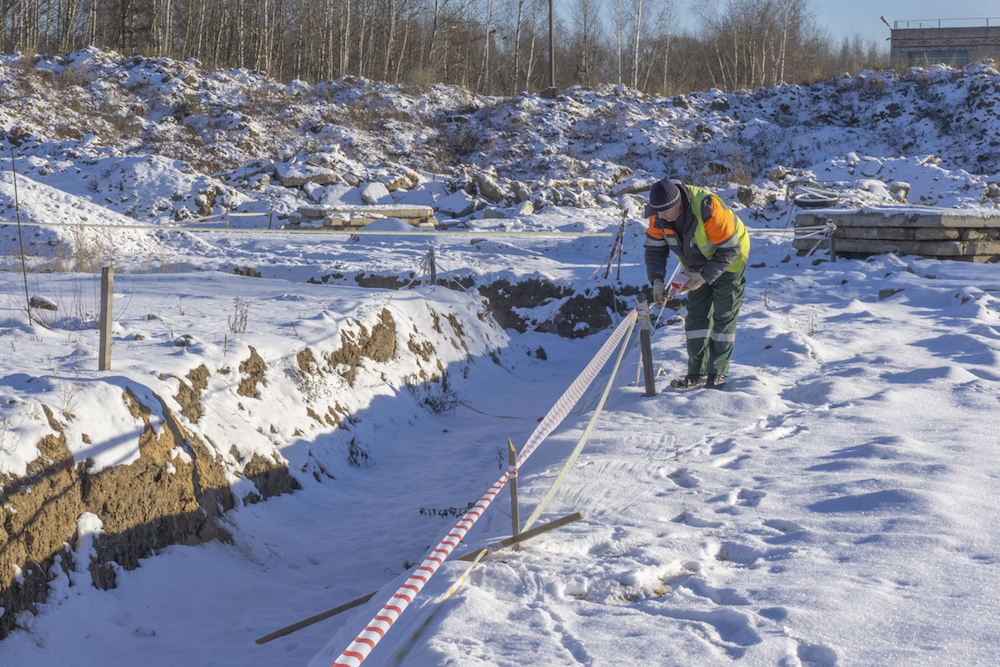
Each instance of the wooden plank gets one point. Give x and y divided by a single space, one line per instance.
289 629
528 534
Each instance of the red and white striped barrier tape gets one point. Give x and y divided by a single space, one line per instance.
359 649
376 629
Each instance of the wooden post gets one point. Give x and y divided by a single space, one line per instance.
107 292
514 514
645 334
833 244
315 619
523 537
433 266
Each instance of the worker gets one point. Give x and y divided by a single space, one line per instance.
712 245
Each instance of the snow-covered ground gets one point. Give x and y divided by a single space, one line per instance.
832 506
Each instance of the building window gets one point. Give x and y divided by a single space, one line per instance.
921 58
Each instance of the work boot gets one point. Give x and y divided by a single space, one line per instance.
689 381
715 382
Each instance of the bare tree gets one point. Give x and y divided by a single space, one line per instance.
586 37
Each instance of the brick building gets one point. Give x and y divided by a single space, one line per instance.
926 42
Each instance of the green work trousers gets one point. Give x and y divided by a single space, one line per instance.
710 325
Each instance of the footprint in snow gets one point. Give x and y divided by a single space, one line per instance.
723 447
749 498
817 654
684 479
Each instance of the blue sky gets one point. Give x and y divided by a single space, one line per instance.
843 18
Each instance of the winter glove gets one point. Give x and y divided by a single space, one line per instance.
695 280
657 291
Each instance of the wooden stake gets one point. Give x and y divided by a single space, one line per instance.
107 292
526 535
645 333
316 619
515 521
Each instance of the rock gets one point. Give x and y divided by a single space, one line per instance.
633 185
871 167
521 192
375 193
42 303
314 191
777 174
341 194
900 189
491 213
456 205
403 180
524 208
633 205
297 175
489 188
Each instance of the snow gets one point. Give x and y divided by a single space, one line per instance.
834 505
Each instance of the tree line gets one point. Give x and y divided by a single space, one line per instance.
497 47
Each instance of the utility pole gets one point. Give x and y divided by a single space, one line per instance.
552 49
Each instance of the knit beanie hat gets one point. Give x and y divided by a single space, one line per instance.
662 196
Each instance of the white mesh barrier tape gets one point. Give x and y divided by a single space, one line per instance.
561 477
376 629
319 230
576 390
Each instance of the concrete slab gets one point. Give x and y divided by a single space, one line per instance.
906 218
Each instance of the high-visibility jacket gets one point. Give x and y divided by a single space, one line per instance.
707 237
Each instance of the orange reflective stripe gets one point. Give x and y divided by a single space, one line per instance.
721 225
656 232
653 231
